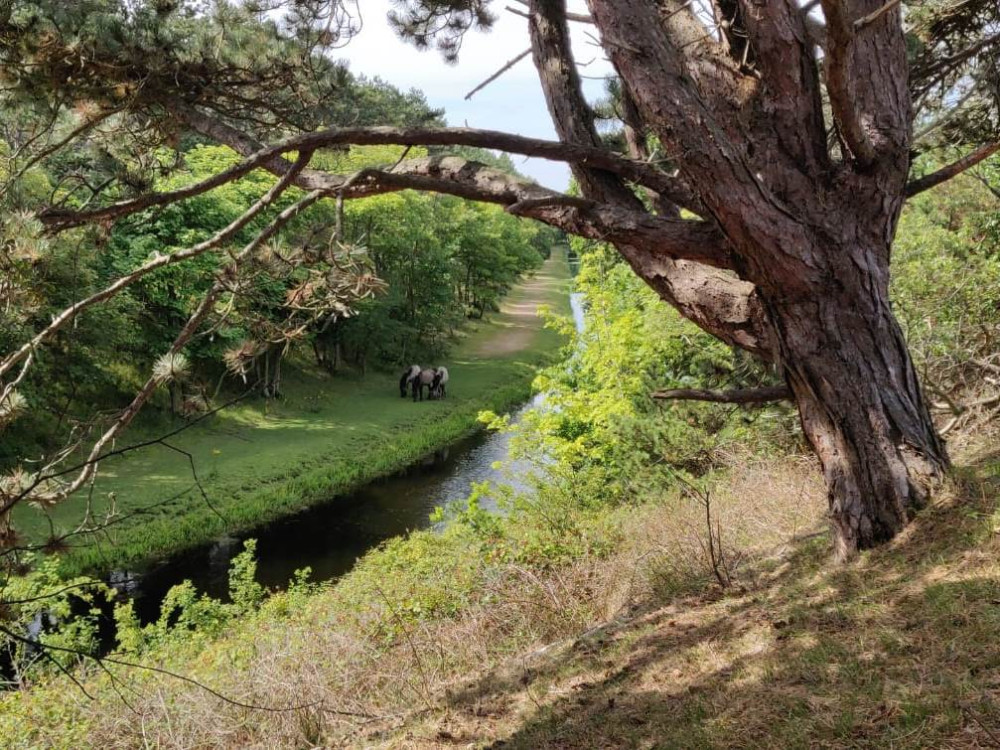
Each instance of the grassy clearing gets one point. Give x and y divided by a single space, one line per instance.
629 646
258 462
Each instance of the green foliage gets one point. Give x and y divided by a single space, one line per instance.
602 435
185 613
945 266
53 611
42 276
418 577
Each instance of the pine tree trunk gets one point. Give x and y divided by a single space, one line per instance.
861 406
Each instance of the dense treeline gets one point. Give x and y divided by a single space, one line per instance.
430 261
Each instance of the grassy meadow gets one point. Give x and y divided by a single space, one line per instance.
256 461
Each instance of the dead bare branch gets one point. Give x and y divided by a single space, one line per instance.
506 66
739 396
946 173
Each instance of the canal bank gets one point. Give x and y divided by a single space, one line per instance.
253 464
328 537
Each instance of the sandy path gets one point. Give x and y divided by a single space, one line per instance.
518 319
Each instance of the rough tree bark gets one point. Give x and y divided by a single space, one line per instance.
846 362
812 237
788 254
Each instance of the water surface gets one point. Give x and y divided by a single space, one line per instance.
330 536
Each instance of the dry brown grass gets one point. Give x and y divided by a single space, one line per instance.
896 649
638 648
359 672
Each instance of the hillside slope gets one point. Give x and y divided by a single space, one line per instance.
896 649
632 644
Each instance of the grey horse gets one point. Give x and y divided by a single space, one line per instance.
424 379
439 382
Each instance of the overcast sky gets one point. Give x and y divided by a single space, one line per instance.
513 103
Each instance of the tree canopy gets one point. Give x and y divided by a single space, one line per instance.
762 157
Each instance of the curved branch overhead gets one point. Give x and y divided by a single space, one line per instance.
271 157
724 116
691 240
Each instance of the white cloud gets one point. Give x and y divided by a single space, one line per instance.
513 103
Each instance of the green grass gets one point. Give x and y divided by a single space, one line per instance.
434 640
328 435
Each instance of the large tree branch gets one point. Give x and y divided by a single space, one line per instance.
714 155
866 76
579 154
716 301
946 173
271 158
713 299
659 236
719 303
737 396
790 89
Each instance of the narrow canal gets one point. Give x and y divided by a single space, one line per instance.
329 537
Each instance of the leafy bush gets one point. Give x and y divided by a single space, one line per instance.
946 266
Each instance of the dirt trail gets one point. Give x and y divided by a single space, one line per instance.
518 320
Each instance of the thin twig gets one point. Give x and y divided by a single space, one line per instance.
875 15
507 66
946 173
737 396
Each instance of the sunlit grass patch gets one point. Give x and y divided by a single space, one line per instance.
258 461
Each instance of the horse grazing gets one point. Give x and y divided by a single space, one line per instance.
424 378
439 382
407 378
